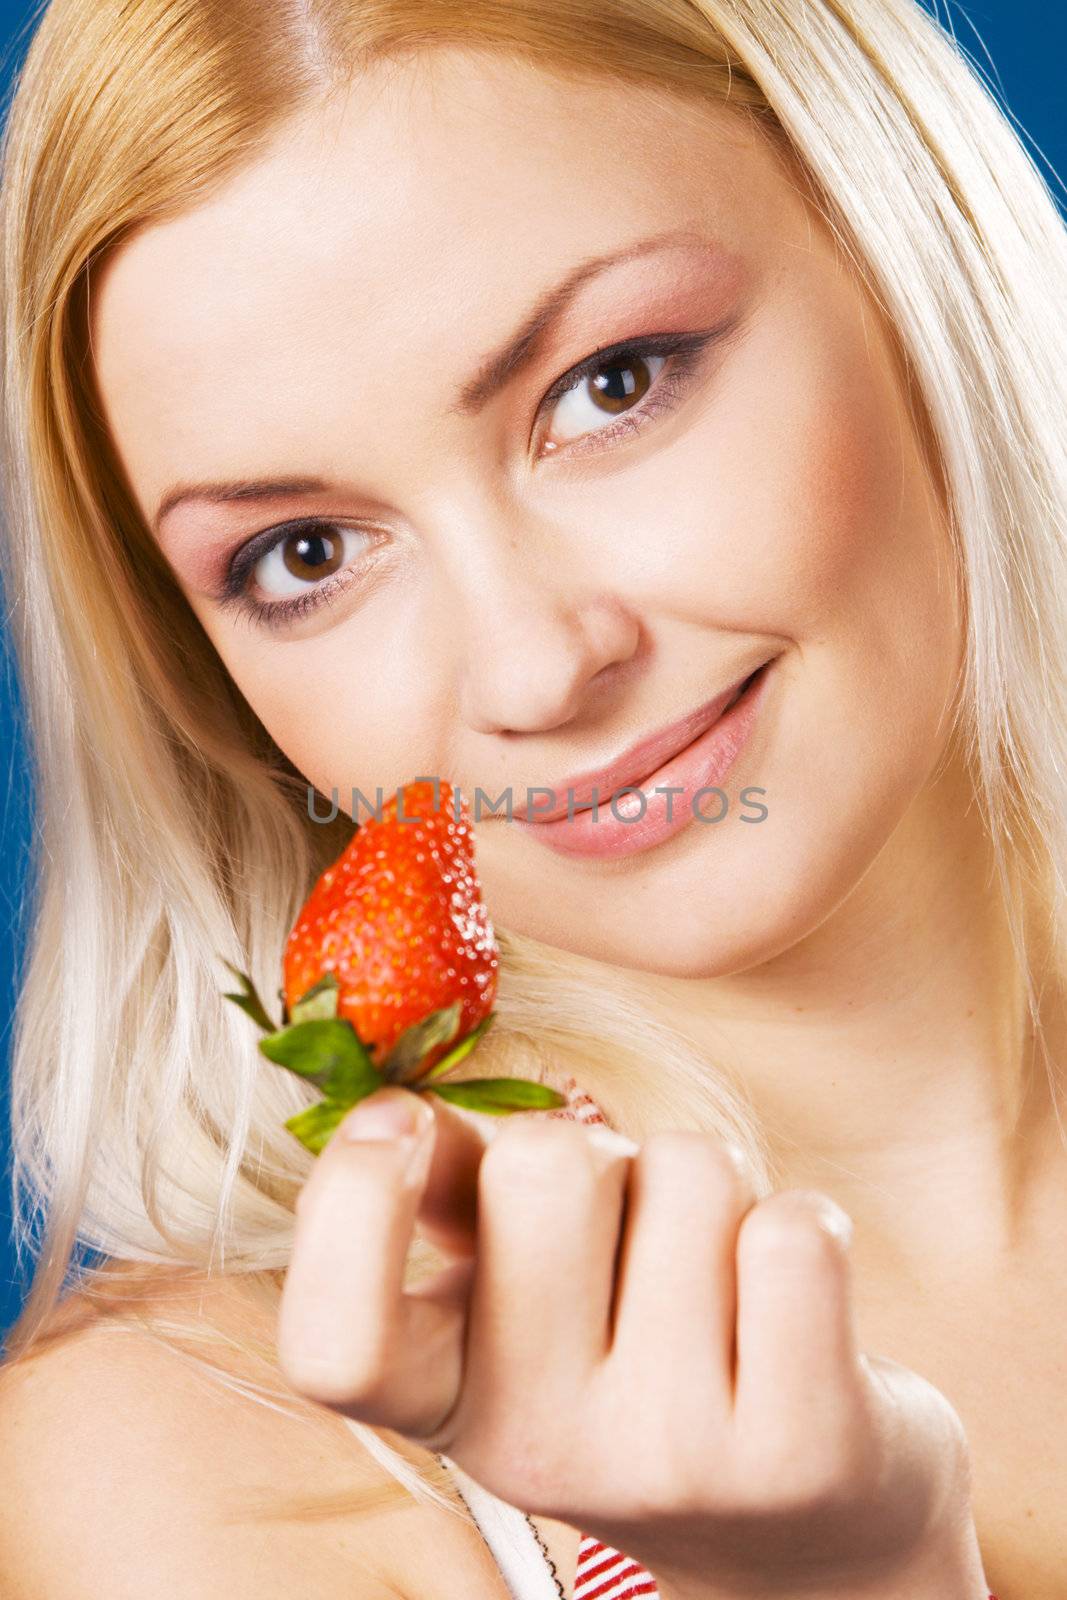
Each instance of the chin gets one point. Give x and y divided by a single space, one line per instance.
688 931
697 950
708 904
711 915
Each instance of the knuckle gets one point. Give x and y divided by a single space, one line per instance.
797 1473
834 1476
798 1488
358 1387
679 1486
344 1376
532 1154
690 1161
796 1225
324 1379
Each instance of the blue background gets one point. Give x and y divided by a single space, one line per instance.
1019 44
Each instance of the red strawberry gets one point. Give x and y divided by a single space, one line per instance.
399 921
391 969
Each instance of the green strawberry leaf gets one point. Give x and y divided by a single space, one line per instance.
319 1001
462 1049
498 1095
329 1052
314 1125
402 1063
248 999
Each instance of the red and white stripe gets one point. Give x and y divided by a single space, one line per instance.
606 1574
580 1107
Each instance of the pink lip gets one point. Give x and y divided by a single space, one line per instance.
636 763
694 754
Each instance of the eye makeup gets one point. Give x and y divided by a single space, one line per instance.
682 353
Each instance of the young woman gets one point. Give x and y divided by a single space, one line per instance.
496 392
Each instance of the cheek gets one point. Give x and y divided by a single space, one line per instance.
842 533
333 701
799 507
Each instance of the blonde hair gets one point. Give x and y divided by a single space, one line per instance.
171 829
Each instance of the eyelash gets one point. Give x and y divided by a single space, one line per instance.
667 388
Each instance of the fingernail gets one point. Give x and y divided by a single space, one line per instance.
739 1158
836 1221
385 1117
611 1139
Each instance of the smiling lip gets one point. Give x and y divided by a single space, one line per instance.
642 760
700 765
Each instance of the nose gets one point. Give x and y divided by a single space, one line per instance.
534 635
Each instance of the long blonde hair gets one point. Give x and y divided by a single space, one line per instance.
171 830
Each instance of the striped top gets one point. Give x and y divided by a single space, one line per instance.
603 1573
526 1566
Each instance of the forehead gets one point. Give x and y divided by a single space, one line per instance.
394 233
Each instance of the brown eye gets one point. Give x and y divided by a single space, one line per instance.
305 556
617 385
313 554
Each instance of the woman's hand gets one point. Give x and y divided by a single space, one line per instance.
628 1342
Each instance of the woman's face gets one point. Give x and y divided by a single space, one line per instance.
501 572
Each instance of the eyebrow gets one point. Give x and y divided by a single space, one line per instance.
517 352
495 372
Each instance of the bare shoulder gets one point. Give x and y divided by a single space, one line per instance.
126 1468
